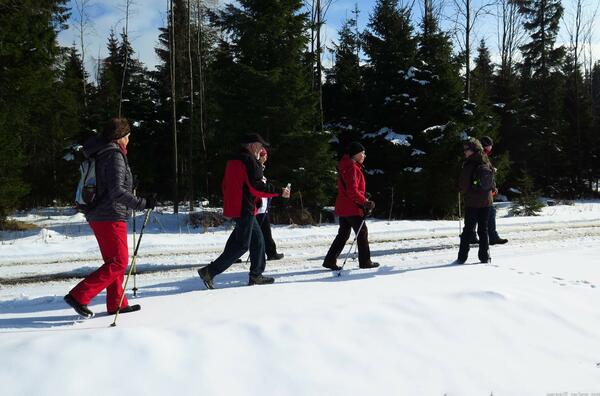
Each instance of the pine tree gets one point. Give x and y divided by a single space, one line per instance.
270 93
440 120
389 115
27 85
537 139
343 89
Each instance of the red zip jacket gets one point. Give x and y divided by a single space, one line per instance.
242 185
351 188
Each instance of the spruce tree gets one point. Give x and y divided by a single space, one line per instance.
270 93
440 120
537 141
389 114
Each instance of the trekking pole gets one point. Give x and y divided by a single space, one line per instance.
352 245
135 252
135 289
459 216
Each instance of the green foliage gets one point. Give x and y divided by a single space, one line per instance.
527 203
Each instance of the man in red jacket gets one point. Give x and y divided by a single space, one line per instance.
242 185
351 206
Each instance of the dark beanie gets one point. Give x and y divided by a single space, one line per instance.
486 141
355 148
116 128
473 145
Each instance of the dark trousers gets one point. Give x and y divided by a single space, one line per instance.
346 224
492 233
475 217
265 227
246 235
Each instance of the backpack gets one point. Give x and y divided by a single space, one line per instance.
86 192
483 177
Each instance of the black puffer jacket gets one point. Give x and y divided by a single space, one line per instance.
114 183
474 198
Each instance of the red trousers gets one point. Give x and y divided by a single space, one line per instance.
112 239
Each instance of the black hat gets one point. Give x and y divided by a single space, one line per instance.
473 145
253 138
486 141
116 128
355 148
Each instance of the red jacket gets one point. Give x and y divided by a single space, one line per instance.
242 184
351 188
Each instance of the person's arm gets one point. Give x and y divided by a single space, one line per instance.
257 181
350 182
114 180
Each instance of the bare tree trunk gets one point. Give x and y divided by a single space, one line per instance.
83 24
319 65
199 40
126 41
174 112
468 50
191 143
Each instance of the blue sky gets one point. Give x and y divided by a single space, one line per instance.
148 15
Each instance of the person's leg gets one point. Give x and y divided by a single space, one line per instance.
482 230
338 243
362 240
237 244
492 233
265 226
257 249
112 240
468 230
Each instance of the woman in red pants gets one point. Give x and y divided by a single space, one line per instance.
108 219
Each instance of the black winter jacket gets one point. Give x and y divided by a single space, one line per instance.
474 198
255 177
114 198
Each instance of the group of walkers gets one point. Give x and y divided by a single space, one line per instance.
246 200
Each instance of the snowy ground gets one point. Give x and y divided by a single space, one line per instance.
527 324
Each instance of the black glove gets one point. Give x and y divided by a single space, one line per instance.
368 207
151 202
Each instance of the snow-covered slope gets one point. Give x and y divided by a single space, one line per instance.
526 324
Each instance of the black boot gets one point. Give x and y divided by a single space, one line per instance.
276 256
498 241
331 266
81 309
368 265
206 278
260 280
129 308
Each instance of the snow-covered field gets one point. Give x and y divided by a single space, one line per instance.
526 324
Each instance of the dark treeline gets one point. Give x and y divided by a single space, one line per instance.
397 85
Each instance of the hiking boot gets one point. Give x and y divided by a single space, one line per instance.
276 256
332 266
368 265
129 308
260 280
81 309
498 241
206 278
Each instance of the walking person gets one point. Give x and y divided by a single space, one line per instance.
352 207
487 143
263 217
476 183
242 185
108 219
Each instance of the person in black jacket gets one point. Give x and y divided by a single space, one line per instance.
477 201
108 219
242 184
